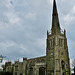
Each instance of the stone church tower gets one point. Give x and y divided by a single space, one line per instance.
57 56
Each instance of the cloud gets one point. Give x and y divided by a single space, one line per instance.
24 24
31 16
7 44
68 18
73 10
13 18
50 2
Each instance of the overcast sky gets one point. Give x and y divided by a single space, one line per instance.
24 24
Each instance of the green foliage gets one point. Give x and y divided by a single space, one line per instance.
73 63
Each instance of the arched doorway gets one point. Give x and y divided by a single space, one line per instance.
42 71
31 71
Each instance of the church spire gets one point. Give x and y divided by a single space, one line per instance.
55 20
54 8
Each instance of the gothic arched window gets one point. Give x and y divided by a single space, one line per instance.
42 71
63 65
60 42
31 71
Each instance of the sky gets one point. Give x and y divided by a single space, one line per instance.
24 25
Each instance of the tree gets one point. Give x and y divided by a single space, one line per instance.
3 66
73 64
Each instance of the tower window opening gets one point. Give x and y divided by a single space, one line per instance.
60 42
51 43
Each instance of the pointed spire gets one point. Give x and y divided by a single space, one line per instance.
55 20
54 8
47 33
64 32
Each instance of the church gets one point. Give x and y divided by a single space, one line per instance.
56 61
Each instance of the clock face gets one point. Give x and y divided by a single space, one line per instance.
51 53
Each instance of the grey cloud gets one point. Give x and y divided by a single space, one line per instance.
25 23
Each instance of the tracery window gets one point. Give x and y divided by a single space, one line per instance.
52 42
31 71
60 42
63 65
16 68
42 71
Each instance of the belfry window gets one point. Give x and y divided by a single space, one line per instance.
60 42
48 44
52 43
